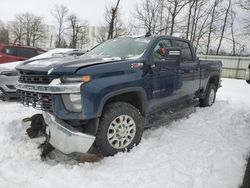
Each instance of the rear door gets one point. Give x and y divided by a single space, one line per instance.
189 69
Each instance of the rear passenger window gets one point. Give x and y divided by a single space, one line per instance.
9 51
186 54
26 52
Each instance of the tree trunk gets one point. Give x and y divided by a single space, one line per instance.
112 22
173 20
210 27
224 27
193 22
189 17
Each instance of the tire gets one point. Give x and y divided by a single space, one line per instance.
210 96
120 129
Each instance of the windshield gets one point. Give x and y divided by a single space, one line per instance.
124 48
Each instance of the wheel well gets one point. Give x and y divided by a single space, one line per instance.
214 80
133 98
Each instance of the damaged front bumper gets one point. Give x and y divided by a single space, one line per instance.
66 138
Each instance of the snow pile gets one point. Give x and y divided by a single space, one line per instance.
204 151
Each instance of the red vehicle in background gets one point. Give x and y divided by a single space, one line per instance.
11 53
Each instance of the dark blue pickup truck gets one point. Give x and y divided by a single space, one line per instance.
103 98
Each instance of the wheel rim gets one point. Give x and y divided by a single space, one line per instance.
211 97
121 131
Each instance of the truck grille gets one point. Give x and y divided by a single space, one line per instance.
39 101
34 78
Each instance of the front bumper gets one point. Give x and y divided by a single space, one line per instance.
66 138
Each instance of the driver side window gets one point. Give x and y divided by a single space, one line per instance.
161 49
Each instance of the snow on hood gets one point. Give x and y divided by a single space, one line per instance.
52 53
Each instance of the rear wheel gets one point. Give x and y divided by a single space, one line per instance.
120 128
210 96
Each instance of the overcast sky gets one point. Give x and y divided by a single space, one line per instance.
91 10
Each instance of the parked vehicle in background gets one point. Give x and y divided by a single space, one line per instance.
8 80
101 100
12 53
9 75
248 74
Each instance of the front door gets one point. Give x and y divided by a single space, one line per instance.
162 82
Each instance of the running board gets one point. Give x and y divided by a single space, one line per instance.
170 114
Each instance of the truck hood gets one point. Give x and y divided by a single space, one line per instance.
68 64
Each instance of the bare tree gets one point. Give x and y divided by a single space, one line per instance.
113 26
231 22
37 31
28 29
202 31
79 31
191 5
224 25
60 12
161 16
199 21
102 34
17 30
245 5
213 14
174 7
146 14
4 33
111 18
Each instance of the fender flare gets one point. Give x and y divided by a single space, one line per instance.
211 76
139 90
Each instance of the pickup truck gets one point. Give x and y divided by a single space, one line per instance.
102 99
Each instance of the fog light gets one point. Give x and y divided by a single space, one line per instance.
76 101
73 102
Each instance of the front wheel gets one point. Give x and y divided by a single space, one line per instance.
120 128
210 96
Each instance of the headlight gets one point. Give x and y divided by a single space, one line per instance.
73 102
70 79
9 73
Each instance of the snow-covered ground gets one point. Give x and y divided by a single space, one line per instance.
206 150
